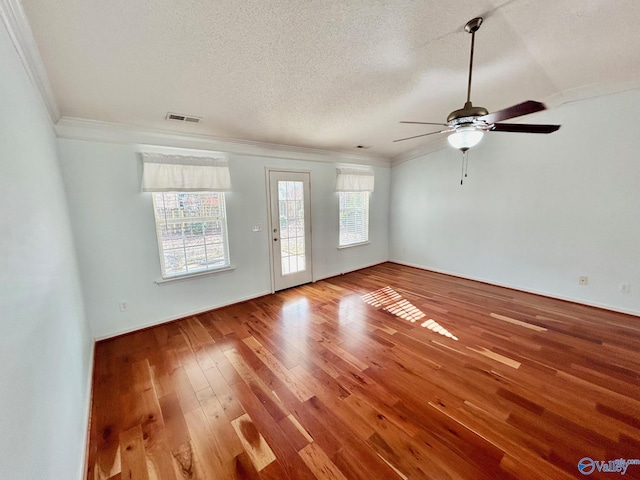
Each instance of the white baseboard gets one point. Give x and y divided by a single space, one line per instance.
213 307
87 413
543 293
351 270
182 315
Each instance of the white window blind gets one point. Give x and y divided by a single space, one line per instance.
354 186
177 173
192 232
354 180
354 218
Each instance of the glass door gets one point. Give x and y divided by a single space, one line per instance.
290 203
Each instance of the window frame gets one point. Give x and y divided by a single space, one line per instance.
209 267
366 209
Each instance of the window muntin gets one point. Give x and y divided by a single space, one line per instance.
192 232
292 231
354 218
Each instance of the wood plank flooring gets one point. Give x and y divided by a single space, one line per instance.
386 373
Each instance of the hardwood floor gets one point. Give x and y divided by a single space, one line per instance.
386 373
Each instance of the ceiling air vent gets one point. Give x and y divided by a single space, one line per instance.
183 118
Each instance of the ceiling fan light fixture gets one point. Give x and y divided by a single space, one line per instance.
465 137
468 124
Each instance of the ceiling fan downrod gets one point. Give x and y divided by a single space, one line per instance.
472 27
469 110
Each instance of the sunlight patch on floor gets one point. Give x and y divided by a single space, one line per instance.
404 309
436 327
391 301
381 297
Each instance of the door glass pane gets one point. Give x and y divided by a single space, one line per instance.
291 213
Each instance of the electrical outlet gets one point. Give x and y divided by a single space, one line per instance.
124 306
624 287
583 280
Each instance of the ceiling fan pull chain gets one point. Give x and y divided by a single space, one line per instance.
466 163
462 172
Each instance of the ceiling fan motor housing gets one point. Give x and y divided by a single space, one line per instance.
467 111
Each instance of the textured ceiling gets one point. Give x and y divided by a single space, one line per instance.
324 73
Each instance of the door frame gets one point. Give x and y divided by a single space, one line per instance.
268 171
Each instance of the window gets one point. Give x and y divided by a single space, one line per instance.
192 232
354 186
354 218
189 209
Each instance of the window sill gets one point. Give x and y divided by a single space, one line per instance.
353 245
189 276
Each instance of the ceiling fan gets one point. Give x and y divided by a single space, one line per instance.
468 125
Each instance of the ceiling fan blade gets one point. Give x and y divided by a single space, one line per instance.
423 135
428 123
524 108
524 128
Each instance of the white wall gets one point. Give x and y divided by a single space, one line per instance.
537 211
117 247
45 346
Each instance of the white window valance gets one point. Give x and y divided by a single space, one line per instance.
177 173
354 180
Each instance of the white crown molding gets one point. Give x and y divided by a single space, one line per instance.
421 150
21 35
588 92
98 131
557 100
